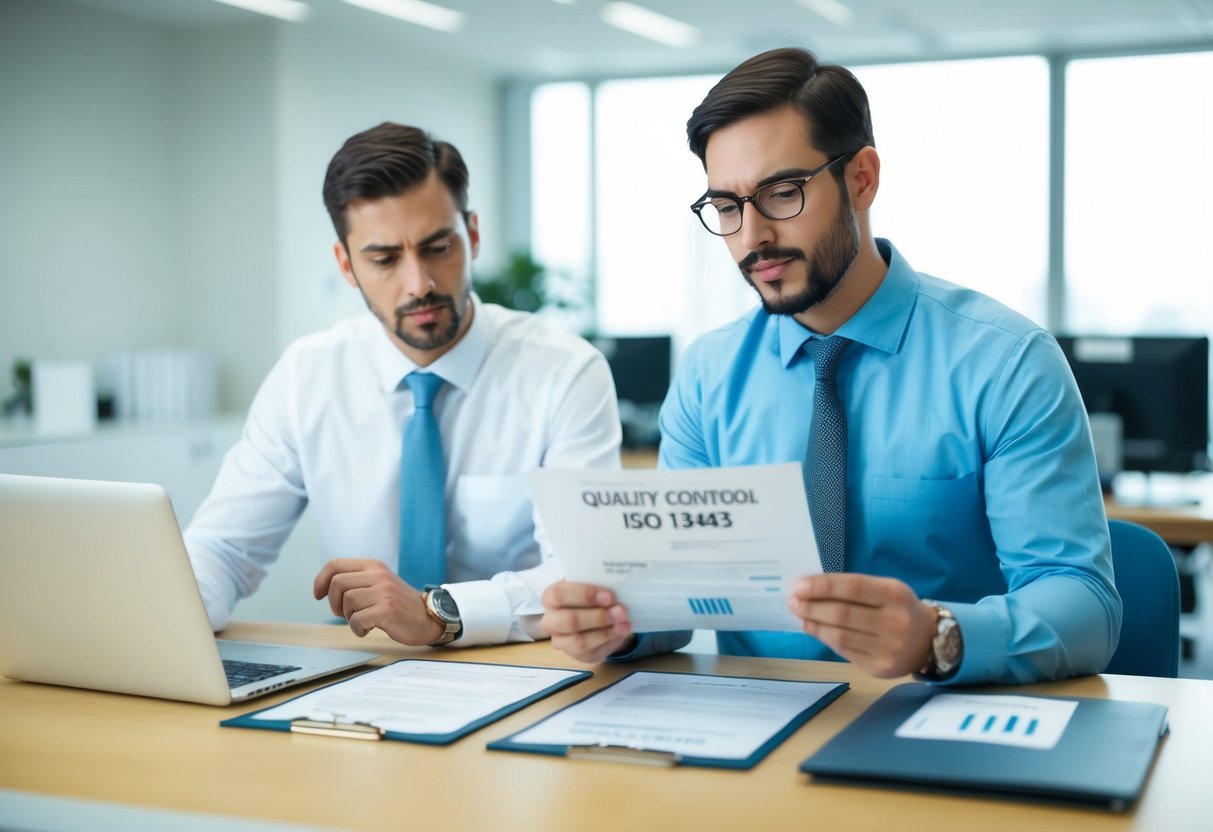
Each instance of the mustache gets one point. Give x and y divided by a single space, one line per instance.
769 253
432 299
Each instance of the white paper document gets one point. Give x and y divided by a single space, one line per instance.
708 548
1023 721
420 696
718 717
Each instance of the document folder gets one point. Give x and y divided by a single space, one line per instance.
413 700
1101 758
678 719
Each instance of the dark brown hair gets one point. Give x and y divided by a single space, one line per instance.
829 97
387 161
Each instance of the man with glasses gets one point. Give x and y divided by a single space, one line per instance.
945 448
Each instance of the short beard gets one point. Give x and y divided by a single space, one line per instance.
833 257
431 337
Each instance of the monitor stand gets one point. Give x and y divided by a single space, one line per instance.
1148 492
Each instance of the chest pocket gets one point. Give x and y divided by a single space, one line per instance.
933 534
496 527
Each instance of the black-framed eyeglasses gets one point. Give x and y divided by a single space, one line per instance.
782 200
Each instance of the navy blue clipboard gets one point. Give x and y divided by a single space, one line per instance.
1103 758
645 756
358 730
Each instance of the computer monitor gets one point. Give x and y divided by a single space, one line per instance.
1159 389
641 367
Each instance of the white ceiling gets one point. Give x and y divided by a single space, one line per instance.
545 38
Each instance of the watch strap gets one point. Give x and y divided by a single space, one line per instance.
947 646
452 627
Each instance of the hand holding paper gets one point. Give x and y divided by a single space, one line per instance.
876 623
585 621
716 548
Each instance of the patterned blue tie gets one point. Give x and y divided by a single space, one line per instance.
825 460
422 489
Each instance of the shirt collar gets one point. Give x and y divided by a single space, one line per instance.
880 323
458 366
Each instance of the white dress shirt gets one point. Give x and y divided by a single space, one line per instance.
325 430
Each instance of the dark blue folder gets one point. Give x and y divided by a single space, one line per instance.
1102 758
364 731
633 754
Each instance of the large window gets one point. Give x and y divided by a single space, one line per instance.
964 149
658 271
1139 194
561 237
964 191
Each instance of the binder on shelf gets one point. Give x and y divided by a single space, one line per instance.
413 700
669 719
1100 751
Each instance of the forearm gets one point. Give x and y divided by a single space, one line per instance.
1061 613
254 503
1053 628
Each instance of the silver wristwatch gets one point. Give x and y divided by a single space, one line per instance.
947 647
442 608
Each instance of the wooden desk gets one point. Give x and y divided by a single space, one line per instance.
170 755
639 458
1179 526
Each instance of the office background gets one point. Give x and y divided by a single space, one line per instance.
161 162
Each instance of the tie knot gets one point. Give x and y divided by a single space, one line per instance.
826 353
425 387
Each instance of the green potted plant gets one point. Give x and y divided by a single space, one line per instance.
521 284
21 402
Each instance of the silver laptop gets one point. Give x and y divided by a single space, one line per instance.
96 591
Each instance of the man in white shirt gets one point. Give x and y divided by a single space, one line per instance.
325 430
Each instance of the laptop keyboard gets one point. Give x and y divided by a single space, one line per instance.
244 673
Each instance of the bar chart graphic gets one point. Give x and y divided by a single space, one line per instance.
997 722
710 606
1023 721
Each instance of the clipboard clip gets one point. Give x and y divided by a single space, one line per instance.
624 754
350 730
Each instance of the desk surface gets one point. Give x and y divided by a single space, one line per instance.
170 755
1180 525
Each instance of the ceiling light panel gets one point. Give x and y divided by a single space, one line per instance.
649 24
836 12
415 11
292 11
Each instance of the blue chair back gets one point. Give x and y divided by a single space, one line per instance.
1149 586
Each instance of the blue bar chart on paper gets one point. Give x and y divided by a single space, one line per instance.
1027 722
971 721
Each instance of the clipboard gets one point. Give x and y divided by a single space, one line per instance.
335 724
1102 757
652 754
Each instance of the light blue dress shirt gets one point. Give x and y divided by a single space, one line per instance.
971 474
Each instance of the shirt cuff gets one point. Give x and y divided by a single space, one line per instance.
484 611
652 644
982 630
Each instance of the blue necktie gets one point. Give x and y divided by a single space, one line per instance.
825 460
422 489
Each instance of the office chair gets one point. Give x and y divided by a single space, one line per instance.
1149 586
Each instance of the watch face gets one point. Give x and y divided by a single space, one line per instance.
446 604
948 651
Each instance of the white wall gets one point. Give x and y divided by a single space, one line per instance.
332 84
161 186
89 259
226 187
